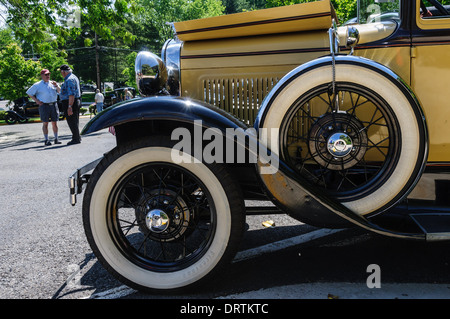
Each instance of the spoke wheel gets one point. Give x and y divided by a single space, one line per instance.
348 152
161 217
365 146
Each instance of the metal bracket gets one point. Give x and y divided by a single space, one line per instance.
334 49
78 178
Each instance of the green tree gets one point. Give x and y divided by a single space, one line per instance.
128 72
6 37
345 9
41 21
16 73
156 14
235 6
52 59
34 20
444 2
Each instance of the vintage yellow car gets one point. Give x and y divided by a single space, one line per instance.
337 126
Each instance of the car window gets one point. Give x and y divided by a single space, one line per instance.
433 14
434 9
378 10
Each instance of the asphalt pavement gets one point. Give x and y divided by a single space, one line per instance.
44 253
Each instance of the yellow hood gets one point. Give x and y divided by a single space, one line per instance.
300 17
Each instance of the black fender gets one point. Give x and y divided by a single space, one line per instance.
170 108
17 115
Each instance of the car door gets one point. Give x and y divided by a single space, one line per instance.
31 108
430 74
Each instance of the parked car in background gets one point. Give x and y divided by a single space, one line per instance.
88 88
26 108
340 126
117 95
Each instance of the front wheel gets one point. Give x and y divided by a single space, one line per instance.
10 119
156 225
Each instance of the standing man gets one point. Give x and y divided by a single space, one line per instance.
99 98
70 96
44 93
128 95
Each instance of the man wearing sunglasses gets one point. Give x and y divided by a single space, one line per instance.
44 93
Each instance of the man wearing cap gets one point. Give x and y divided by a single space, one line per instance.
70 97
44 93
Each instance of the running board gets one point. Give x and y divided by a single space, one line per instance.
436 226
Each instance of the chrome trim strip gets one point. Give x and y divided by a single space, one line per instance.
254 53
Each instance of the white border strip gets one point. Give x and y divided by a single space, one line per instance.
282 244
114 293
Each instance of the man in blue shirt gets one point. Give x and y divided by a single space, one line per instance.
70 97
44 93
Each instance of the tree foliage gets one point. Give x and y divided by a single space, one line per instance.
6 37
128 72
345 9
16 73
52 59
35 20
156 14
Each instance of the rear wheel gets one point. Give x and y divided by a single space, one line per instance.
156 225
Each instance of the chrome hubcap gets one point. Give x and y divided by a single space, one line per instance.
337 141
339 144
157 220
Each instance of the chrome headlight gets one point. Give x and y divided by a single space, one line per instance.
352 38
151 73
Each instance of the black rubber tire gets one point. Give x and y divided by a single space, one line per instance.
10 119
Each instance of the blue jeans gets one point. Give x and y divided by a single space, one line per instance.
99 107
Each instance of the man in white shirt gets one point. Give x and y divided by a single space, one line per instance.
44 93
99 99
